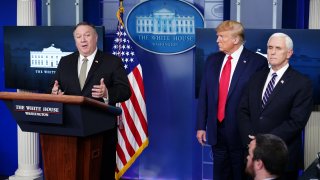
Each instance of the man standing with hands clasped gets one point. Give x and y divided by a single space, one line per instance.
226 73
91 73
278 101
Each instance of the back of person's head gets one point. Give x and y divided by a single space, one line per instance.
272 151
235 27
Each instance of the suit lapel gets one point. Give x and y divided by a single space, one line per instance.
216 66
95 65
279 86
260 84
74 70
240 67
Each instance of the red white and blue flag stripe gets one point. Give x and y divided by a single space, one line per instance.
133 127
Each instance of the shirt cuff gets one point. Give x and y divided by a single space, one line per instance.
106 100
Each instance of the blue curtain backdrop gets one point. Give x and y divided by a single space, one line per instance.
8 126
8 132
295 14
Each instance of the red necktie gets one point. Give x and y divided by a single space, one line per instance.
223 89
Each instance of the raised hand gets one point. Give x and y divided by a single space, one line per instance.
55 90
100 91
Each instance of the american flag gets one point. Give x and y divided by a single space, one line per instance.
133 128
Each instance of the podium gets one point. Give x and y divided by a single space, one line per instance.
71 131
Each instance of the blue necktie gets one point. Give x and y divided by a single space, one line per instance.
269 90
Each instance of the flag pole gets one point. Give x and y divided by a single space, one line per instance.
119 15
120 12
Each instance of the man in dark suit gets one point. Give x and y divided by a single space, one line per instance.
91 73
226 73
278 101
267 157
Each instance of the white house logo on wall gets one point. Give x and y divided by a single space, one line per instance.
164 26
47 58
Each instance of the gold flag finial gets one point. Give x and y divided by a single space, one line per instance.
120 11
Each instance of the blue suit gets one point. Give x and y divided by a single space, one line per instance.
225 133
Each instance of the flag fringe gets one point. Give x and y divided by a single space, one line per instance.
132 159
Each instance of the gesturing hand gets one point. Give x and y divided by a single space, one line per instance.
55 90
100 91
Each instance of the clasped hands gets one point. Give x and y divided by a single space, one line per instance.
98 91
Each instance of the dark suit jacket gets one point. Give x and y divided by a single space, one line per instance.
104 66
285 114
249 62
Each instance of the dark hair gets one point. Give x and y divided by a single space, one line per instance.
85 24
272 151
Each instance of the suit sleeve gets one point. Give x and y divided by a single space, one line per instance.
202 103
119 91
299 114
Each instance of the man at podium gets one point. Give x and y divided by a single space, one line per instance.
91 73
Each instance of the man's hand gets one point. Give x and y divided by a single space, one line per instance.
251 137
100 91
55 90
201 136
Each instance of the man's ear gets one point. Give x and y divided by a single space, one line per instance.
258 164
289 53
236 40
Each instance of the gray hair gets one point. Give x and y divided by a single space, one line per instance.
288 40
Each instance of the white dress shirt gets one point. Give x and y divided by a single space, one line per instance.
280 73
90 61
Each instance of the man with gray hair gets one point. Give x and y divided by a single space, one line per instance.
278 101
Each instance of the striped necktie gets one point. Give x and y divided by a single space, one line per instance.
269 90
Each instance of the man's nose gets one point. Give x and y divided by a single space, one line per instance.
218 39
83 39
